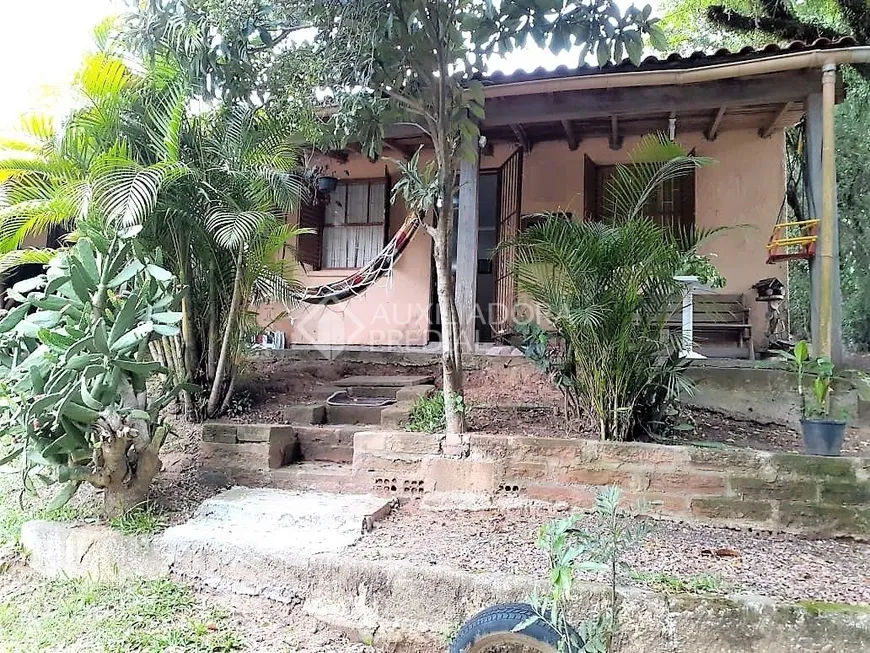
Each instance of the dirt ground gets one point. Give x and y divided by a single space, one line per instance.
728 561
507 398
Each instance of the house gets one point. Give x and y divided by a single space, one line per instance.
551 138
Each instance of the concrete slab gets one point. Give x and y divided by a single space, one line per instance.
295 525
395 381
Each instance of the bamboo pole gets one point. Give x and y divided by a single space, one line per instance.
829 213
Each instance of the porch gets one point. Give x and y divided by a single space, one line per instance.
549 137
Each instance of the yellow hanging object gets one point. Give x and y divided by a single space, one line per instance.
793 240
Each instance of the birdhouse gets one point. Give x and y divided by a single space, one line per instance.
769 290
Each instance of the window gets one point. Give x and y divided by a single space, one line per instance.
672 204
353 230
349 226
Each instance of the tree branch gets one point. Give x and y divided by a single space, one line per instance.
277 39
789 29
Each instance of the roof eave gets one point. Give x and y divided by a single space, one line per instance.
710 72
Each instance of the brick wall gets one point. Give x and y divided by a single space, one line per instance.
810 495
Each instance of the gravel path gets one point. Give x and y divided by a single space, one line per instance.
777 566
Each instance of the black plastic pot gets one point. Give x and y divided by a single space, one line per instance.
823 437
327 184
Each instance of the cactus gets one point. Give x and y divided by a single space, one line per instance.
81 394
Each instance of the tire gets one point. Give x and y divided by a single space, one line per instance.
494 627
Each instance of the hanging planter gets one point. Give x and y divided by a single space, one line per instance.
327 184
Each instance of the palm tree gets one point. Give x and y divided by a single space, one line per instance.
608 289
205 190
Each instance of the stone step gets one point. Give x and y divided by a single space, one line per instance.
329 453
372 391
350 414
395 381
323 392
322 476
333 434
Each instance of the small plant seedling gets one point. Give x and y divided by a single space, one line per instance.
599 547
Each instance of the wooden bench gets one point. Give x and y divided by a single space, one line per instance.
716 313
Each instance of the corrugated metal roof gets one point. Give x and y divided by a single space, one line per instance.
673 61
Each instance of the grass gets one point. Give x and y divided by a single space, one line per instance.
427 414
82 615
817 608
146 520
670 584
17 507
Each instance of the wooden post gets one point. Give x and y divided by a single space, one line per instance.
466 250
814 188
825 298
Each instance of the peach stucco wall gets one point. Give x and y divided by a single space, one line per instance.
395 311
744 186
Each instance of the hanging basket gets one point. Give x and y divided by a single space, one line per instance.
327 184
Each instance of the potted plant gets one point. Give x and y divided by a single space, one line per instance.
822 435
326 181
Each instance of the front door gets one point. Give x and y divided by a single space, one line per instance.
510 181
499 194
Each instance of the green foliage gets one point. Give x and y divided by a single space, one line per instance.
207 188
427 414
599 548
663 581
552 356
853 206
822 371
608 289
155 615
142 520
75 363
700 265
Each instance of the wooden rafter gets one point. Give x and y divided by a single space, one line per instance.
713 129
770 127
404 150
570 135
615 137
522 137
639 101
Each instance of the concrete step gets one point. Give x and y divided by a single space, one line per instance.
350 414
394 381
322 476
323 392
329 443
372 391
333 434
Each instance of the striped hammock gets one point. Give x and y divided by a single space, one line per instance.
380 266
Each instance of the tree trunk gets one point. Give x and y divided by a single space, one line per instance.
182 375
223 363
188 333
451 345
212 347
125 475
451 352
